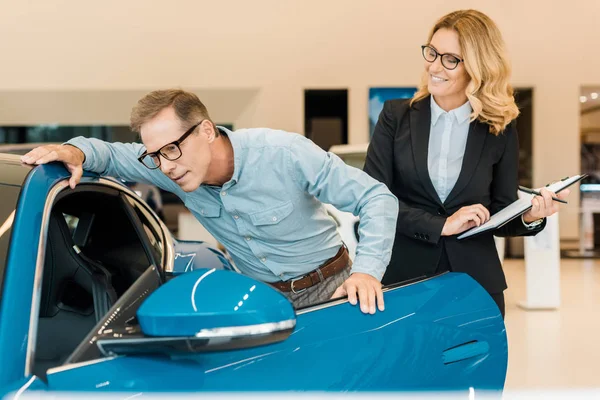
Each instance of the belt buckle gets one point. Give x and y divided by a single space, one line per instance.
292 286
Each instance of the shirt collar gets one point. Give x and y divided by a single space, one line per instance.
461 113
235 143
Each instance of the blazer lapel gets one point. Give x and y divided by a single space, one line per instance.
478 132
420 124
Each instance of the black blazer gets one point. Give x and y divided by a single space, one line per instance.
397 156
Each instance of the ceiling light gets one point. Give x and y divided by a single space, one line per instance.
582 99
594 96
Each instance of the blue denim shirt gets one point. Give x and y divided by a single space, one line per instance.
270 215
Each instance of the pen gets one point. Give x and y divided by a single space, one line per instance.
531 191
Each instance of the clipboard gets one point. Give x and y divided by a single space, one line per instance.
518 208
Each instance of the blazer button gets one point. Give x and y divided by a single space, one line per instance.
426 237
441 211
416 235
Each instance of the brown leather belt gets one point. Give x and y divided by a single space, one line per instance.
334 265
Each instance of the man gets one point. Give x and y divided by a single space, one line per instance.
259 192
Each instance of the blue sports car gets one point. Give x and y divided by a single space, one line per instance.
97 296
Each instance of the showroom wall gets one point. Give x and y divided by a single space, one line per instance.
272 50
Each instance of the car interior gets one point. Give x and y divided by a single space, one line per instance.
99 243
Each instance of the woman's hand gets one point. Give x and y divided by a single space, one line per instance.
543 206
465 218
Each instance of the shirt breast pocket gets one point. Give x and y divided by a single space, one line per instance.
210 211
277 221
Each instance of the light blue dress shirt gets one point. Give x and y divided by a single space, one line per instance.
270 214
447 143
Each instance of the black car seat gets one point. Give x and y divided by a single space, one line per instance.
76 293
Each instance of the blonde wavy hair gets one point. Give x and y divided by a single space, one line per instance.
489 91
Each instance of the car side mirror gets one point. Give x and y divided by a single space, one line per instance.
207 310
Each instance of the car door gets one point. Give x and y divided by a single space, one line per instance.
439 333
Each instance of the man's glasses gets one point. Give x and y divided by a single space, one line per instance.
170 151
449 61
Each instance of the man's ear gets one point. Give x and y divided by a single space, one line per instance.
207 128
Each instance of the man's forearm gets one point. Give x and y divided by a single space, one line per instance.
377 229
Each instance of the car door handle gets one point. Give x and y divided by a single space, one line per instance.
465 351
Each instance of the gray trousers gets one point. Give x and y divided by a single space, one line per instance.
322 291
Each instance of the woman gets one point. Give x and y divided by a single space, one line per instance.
450 155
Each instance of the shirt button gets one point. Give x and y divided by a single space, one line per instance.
223 193
202 211
274 219
236 216
263 259
248 238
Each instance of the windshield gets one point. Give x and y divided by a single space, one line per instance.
9 195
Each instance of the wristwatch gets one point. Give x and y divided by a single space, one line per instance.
532 225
